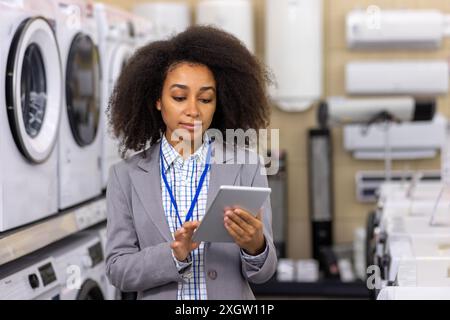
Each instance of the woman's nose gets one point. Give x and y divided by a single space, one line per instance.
192 109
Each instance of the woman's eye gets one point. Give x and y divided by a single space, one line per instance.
205 101
179 99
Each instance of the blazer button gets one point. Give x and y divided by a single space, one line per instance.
212 274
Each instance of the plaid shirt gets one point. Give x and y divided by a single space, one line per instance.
183 177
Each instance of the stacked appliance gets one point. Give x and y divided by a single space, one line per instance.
116 36
409 239
144 31
71 269
80 265
233 16
30 109
30 278
166 18
79 136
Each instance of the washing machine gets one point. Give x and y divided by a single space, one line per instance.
116 35
80 267
112 293
30 109
144 31
29 278
166 18
79 135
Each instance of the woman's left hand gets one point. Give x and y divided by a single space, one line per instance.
246 230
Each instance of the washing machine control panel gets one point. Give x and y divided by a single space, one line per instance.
33 282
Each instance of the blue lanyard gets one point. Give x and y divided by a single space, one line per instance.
197 192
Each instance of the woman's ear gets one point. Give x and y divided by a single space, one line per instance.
158 105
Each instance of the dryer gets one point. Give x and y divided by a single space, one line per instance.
29 278
80 267
30 109
112 293
144 31
116 35
79 137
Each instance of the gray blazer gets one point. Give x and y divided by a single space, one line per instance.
138 254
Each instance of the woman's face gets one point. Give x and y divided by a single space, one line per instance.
188 101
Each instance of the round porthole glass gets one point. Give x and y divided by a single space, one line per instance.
83 89
33 90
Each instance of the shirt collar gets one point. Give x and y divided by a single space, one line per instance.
171 156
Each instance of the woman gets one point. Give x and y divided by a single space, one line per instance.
170 93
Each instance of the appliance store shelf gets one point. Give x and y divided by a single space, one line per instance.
22 241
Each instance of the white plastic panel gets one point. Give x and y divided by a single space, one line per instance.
414 293
233 16
403 138
420 77
167 18
395 29
294 52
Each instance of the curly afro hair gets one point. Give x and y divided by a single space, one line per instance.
241 80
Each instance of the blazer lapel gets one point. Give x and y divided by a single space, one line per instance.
147 184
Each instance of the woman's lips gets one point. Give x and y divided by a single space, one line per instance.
190 126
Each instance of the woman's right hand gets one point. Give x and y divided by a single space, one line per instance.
183 244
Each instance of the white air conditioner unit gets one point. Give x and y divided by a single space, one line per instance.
395 29
233 16
418 78
415 140
294 52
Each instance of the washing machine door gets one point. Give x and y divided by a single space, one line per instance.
34 89
90 290
83 89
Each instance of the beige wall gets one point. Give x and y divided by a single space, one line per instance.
293 126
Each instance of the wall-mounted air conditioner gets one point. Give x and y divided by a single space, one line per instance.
233 16
418 78
294 52
396 29
415 140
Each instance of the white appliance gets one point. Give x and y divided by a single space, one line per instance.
409 29
30 109
116 36
30 278
417 190
80 266
144 31
294 52
342 110
424 272
398 77
79 137
406 140
414 293
233 16
168 18
409 247
418 225
420 208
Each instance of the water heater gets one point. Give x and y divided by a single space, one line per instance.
233 16
294 52
168 18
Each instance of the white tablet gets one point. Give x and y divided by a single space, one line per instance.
212 227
